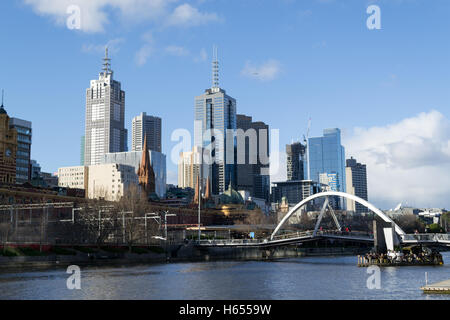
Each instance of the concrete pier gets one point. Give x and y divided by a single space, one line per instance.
439 287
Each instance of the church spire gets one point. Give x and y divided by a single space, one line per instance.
2 108
145 172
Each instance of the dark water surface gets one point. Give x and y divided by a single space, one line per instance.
300 278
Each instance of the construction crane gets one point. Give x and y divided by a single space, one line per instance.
305 139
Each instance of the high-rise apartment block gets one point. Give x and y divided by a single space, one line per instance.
295 160
105 117
23 158
144 126
356 174
253 175
189 168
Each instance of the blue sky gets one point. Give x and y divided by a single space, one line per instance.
283 60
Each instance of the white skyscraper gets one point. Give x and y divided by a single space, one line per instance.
144 125
105 117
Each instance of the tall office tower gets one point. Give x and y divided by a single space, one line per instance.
8 149
23 158
105 117
146 126
356 174
295 159
327 155
253 175
215 113
82 146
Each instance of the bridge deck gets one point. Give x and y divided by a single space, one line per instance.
299 237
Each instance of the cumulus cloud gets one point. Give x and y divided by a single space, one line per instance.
267 71
408 161
95 14
186 15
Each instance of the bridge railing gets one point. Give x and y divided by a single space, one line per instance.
230 242
434 237
291 235
303 234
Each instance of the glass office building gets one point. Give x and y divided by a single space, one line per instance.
216 111
327 156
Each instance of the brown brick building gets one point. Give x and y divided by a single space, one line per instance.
8 149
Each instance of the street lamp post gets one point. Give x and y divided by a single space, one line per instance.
200 193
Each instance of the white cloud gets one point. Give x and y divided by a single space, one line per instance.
202 57
146 50
266 72
408 161
177 51
96 14
113 46
186 15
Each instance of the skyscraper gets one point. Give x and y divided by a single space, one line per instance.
295 160
82 146
356 174
327 155
215 113
23 158
144 126
105 116
253 176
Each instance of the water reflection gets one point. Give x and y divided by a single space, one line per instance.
303 278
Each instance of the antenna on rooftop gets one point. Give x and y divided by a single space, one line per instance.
215 68
107 62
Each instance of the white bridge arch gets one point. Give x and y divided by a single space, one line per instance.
363 202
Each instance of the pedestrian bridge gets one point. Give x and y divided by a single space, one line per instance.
290 238
299 237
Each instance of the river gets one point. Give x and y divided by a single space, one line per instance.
300 278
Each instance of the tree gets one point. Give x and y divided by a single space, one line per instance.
97 221
409 223
132 207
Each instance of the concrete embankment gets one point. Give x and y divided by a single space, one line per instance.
174 253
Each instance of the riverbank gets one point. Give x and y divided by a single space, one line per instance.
119 256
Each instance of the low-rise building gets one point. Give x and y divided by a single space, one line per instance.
134 158
73 177
110 181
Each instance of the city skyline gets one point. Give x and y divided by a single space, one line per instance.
396 102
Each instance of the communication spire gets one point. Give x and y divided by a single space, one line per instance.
215 69
107 63
3 95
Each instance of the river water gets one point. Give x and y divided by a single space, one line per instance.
300 278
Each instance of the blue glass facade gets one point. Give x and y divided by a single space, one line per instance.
327 155
216 110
